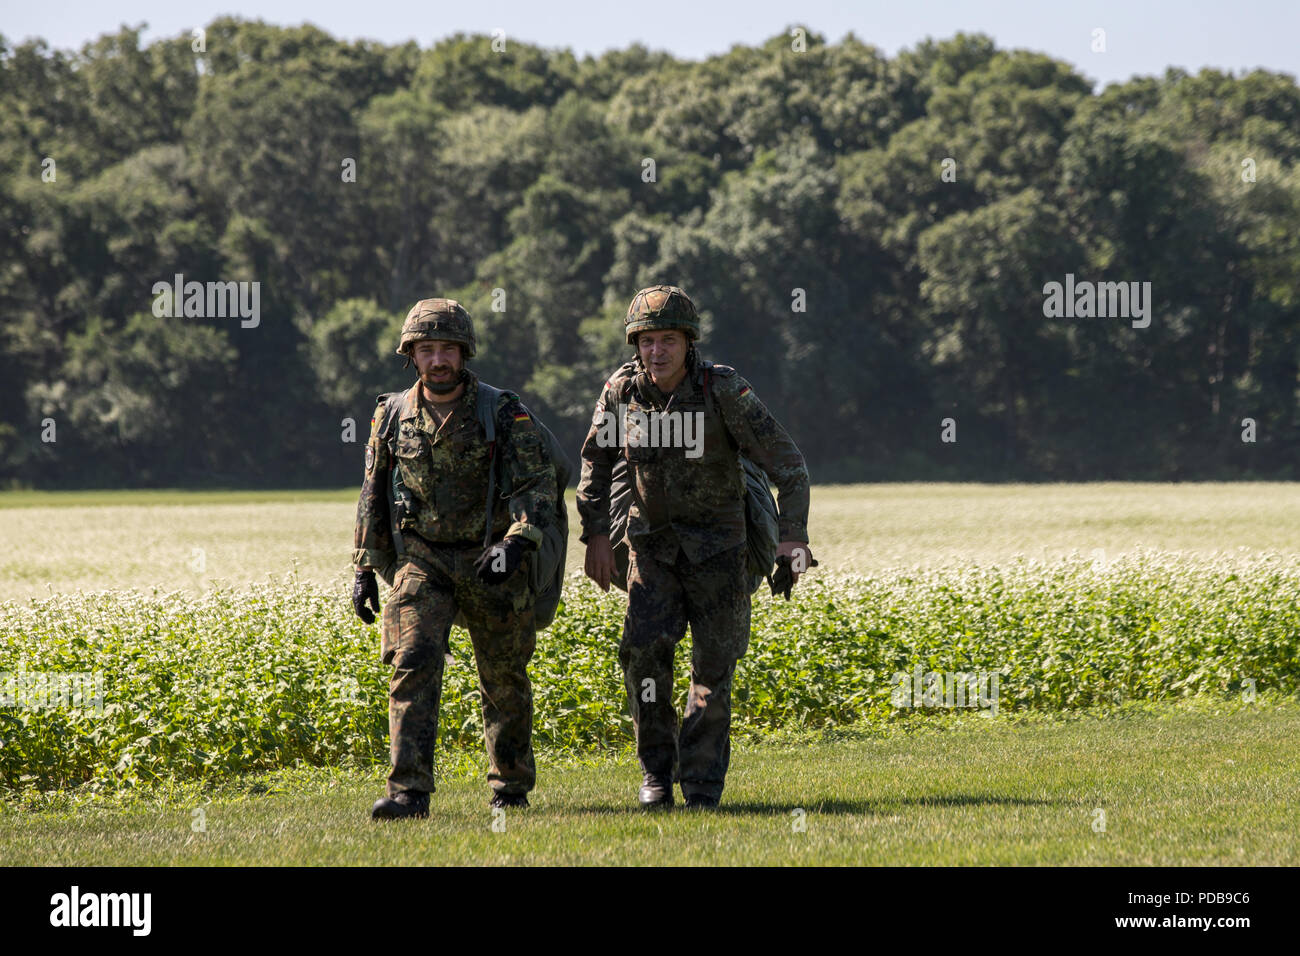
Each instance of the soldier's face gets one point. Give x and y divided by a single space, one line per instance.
439 364
662 353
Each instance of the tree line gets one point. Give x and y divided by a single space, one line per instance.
870 241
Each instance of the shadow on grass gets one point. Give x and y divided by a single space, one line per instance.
975 800
785 808
880 805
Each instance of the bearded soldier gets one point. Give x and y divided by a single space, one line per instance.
686 530
422 515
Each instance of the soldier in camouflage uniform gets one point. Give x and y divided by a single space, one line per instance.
686 530
440 459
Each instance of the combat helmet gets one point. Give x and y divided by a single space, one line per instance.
442 319
661 307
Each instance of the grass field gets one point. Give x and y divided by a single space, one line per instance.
59 542
1147 638
1196 785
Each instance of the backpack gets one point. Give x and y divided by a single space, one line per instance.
546 570
762 532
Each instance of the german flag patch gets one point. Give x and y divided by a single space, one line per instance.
745 391
521 416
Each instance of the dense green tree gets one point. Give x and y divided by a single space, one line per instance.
869 239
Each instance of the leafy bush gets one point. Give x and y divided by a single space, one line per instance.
244 680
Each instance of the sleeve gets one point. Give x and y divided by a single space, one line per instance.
762 439
599 452
372 538
532 476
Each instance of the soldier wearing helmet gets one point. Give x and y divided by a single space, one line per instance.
686 532
420 522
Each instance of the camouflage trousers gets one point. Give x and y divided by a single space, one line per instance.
432 584
713 597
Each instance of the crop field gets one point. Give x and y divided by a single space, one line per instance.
58 542
1086 674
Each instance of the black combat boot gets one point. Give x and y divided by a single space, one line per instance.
408 803
700 801
508 800
656 791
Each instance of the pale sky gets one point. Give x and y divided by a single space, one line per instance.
1142 36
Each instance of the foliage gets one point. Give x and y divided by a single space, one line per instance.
282 676
517 181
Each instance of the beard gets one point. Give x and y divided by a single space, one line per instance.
442 388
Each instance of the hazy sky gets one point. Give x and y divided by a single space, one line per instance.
1142 36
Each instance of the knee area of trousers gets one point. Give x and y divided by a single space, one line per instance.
639 657
715 666
504 647
419 656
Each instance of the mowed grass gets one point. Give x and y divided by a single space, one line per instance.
1197 785
56 542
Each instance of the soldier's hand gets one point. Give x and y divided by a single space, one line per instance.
365 589
600 560
499 561
793 558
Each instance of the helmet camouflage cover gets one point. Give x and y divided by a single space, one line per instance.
443 320
661 307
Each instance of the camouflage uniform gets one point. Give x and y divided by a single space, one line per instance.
686 529
446 470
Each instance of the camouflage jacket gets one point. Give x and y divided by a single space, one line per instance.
446 471
682 496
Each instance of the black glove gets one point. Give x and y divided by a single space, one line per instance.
512 548
363 590
782 579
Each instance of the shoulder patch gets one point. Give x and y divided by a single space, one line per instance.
621 377
729 383
504 402
511 409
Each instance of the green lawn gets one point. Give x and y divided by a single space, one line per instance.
1202 784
